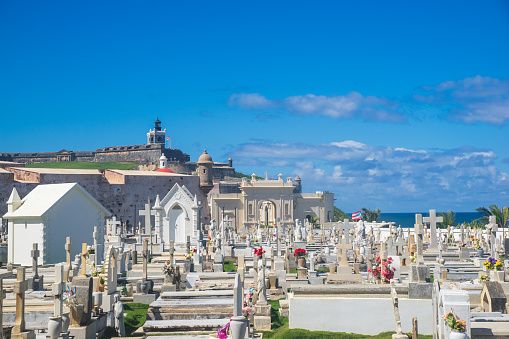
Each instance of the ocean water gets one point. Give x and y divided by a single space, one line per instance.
408 219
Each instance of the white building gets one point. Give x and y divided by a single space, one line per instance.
46 216
269 201
179 211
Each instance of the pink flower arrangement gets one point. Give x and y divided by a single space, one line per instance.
382 269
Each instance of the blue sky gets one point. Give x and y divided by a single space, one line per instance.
397 105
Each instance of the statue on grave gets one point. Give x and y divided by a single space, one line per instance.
118 312
360 230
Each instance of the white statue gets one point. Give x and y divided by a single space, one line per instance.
118 312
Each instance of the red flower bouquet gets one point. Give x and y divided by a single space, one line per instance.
299 252
259 251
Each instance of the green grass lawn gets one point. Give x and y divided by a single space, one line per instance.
85 165
230 266
136 316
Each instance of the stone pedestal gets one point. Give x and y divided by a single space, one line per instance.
36 284
301 273
262 318
419 273
25 335
168 288
84 288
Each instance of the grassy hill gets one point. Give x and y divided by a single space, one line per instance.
86 165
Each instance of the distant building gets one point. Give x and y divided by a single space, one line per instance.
269 201
146 155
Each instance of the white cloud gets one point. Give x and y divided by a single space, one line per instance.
359 173
471 100
349 106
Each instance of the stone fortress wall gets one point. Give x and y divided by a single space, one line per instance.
123 193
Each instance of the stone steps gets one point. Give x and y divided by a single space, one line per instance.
190 310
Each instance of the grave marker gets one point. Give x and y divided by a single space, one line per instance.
432 220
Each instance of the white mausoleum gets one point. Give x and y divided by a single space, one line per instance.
267 201
46 216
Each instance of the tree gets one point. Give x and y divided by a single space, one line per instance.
369 215
339 215
502 216
448 218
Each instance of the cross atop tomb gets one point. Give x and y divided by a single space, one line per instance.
432 220
114 223
344 246
35 255
147 213
58 289
83 254
19 288
346 227
266 175
419 231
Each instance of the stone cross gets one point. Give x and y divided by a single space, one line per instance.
96 246
462 230
114 224
83 254
35 255
58 289
432 220
346 227
172 250
188 245
68 248
147 213
419 230
344 246
145 260
20 287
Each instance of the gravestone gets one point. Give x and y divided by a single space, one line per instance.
432 220
19 330
58 289
84 287
110 281
148 213
238 320
493 298
97 256
418 287
36 282
68 266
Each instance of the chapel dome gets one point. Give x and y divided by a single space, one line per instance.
205 158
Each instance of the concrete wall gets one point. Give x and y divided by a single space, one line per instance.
368 316
122 200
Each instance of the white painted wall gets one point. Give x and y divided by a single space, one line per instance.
74 216
368 316
22 236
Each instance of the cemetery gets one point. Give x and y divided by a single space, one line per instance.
224 280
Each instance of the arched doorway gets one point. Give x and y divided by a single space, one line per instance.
267 213
177 229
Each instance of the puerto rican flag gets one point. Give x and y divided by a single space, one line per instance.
356 216
168 138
